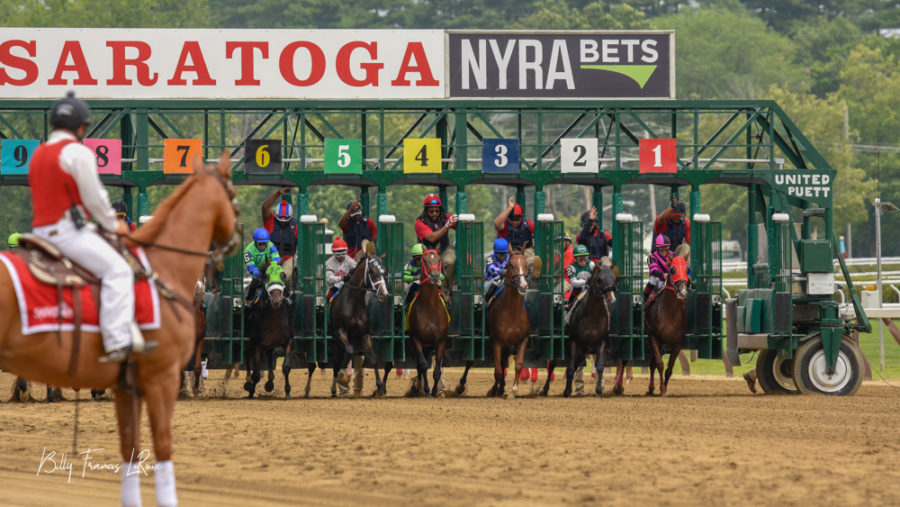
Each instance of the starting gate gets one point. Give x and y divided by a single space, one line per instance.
704 302
387 318
467 328
627 322
546 310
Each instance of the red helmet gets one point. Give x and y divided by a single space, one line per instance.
516 212
339 246
432 200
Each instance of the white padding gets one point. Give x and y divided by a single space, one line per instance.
387 219
308 219
781 218
624 217
144 219
466 217
545 217
701 218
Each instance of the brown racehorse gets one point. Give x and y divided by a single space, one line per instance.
199 213
666 324
428 325
589 327
508 326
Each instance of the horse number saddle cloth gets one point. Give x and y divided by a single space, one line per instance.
40 274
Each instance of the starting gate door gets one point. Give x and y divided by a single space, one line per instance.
627 326
310 314
388 330
225 316
546 311
467 331
704 302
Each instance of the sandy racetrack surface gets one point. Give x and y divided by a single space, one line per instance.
709 442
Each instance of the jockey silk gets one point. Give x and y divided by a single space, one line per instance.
52 188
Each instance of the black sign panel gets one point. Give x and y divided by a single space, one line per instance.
262 156
562 65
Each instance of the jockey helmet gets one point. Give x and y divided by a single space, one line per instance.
580 251
261 235
516 212
567 237
501 245
432 200
339 247
417 249
283 211
69 113
678 209
663 241
13 240
119 207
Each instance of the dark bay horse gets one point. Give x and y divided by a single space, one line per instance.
199 213
350 318
508 326
666 324
428 323
268 325
589 327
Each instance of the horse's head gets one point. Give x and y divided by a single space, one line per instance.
224 238
603 283
679 276
431 266
275 278
516 269
199 289
375 274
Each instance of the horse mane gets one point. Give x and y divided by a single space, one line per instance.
151 230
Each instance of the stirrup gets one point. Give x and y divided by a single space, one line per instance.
122 353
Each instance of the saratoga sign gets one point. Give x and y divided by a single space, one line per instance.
43 63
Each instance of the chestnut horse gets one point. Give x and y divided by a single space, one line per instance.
508 326
428 323
589 327
666 324
199 213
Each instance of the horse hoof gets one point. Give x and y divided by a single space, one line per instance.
510 395
618 390
248 386
270 386
567 394
287 397
460 389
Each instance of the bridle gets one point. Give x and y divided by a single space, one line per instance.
428 270
510 276
369 284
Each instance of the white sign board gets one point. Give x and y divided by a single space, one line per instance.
578 155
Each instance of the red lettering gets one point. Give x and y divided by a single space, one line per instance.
286 63
371 68
198 65
415 51
246 50
119 63
72 48
7 59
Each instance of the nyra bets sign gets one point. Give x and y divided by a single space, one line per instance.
234 64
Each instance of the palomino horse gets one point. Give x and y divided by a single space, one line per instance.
508 326
589 327
428 323
666 324
350 318
269 327
199 213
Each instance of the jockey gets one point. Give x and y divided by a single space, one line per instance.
337 267
579 272
282 228
66 192
358 230
568 259
494 270
676 227
519 231
659 263
433 231
260 252
122 214
596 241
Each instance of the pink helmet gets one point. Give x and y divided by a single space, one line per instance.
663 240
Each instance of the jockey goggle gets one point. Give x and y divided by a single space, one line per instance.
433 202
261 244
120 215
340 253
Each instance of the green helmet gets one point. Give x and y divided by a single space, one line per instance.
580 251
13 240
417 249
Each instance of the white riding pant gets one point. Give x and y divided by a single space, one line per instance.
656 282
86 248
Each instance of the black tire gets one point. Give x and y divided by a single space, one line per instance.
809 369
774 374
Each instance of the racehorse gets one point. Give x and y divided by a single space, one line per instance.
199 213
666 324
428 322
350 318
191 377
268 326
508 326
589 327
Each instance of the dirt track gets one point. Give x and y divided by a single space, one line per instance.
708 442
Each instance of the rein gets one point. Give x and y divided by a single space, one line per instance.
427 270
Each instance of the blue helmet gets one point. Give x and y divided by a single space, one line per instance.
501 245
260 235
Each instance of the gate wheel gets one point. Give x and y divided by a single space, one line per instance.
809 369
775 374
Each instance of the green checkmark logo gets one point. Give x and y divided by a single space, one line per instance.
639 73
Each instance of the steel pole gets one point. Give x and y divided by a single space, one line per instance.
878 279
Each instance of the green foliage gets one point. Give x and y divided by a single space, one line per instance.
107 13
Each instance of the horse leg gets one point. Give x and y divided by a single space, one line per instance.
388 366
421 367
574 358
461 387
270 363
310 368
438 389
424 375
340 358
248 366
546 388
664 383
373 358
655 364
128 414
255 371
498 371
161 395
520 362
618 389
598 364
286 368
